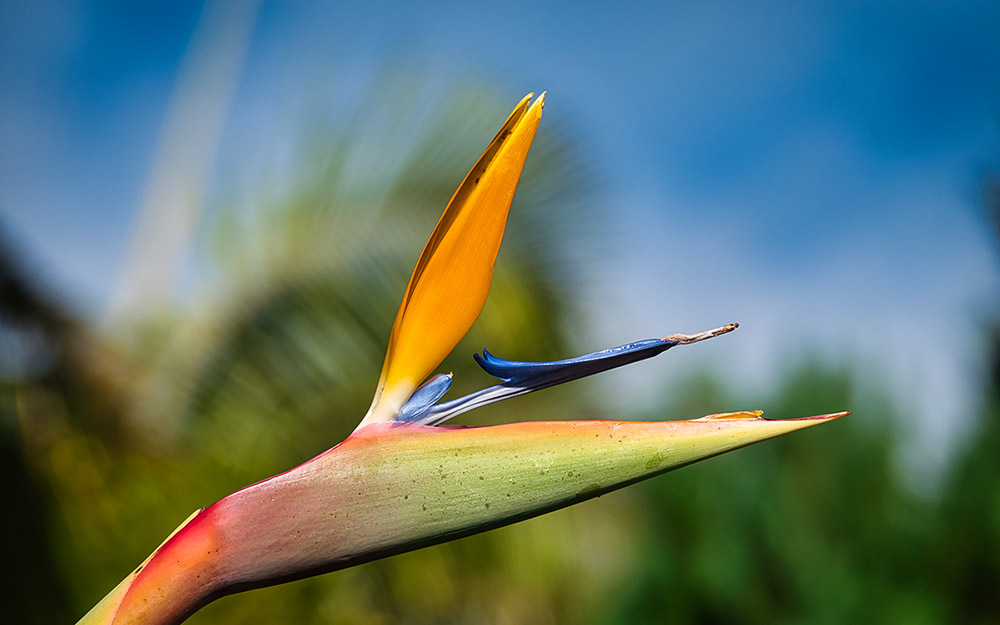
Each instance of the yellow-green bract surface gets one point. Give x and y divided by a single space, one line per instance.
391 488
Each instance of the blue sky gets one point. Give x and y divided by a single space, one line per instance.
808 169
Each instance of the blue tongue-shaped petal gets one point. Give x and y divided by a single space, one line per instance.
518 373
519 378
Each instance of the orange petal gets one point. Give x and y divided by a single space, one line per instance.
452 278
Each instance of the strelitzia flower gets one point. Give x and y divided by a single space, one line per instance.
402 480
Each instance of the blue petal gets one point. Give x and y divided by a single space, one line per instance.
518 378
517 373
425 397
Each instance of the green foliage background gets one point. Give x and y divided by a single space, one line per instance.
112 435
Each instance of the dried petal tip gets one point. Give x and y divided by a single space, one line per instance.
684 339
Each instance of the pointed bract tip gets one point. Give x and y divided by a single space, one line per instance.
759 416
822 417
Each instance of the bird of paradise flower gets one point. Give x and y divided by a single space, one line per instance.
402 480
